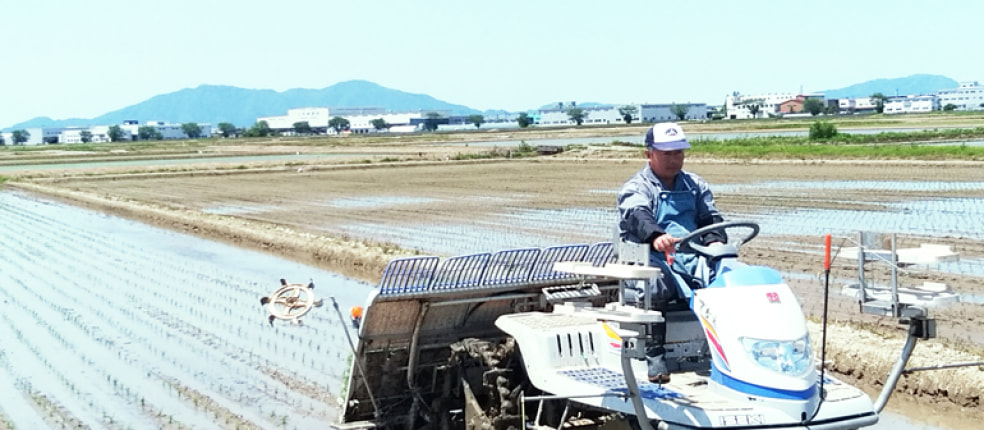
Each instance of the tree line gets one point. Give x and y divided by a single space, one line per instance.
339 124
431 123
815 106
115 133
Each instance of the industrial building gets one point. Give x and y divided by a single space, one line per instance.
100 133
360 119
912 104
741 106
968 96
856 105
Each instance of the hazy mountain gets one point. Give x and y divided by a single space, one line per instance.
915 84
214 104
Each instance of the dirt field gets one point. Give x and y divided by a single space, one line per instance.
294 211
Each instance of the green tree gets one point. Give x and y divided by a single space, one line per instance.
379 124
822 130
476 119
148 132
680 111
20 137
879 99
754 110
577 115
753 106
227 129
192 130
115 133
338 123
85 136
2 142
432 121
950 107
260 129
302 127
524 120
627 112
813 105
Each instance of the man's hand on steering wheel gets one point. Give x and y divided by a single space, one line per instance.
665 243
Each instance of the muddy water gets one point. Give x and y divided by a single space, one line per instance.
134 247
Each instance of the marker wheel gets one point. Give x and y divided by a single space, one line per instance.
291 302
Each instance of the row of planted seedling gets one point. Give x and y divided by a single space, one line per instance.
215 305
125 308
83 373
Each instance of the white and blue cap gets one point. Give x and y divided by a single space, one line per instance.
666 136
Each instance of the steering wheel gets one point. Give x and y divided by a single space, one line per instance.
691 242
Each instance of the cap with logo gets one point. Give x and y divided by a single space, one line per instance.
666 136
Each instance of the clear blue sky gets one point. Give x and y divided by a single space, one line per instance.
81 59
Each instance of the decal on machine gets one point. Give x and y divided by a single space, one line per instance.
703 310
742 420
708 321
614 340
773 297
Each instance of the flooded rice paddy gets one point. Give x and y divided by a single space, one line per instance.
238 159
109 323
697 136
114 324
938 216
100 302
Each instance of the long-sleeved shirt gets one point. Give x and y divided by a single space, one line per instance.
637 200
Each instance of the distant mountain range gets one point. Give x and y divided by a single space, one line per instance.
215 103
915 84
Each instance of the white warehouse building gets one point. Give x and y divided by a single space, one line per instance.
664 112
360 119
856 105
36 136
398 121
611 115
99 134
969 96
592 115
737 104
316 117
912 104
131 131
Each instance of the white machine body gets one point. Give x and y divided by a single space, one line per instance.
755 370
